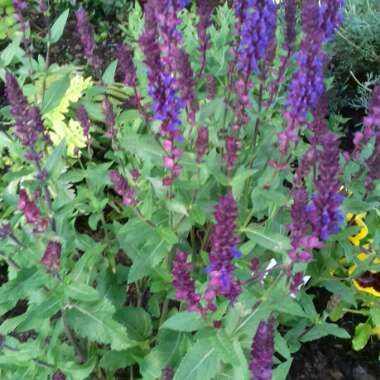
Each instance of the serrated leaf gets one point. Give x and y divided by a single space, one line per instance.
138 322
82 292
184 321
200 362
272 241
224 348
59 26
95 322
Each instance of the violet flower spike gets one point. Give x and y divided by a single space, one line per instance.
324 211
109 118
122 188
51 259
223 251
167 373
84 120
86 34
184 283
204 11
28 123
262 352
31 212
126 69
201 143
290 23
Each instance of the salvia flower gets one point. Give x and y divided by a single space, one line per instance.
223 251
31 212
86 34
290 23
122 188
28 123
371 121
204 12
84 120
59 376
262 352
5 230
167 373
232 149
109 117
373 165
186 83
51 259
211 87
257 32
201 143
43 6
324 211
126 69
184 283
160 43
331 16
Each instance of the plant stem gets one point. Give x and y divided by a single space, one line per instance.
70 336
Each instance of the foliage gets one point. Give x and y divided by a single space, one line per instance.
165 210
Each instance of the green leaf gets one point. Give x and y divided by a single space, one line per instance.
200 362
82 292
58 27
138 322
164 354
272 241
281 346
144 146
325 329
95 322
54 94
184 321
363 332
338 288
177 207
55 157
225 349
78 371
281 371
109 73
238 182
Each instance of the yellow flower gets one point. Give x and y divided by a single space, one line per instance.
55 119
362 234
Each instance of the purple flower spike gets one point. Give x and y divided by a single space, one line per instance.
262 352
201 143
31 212
204 12
232 149
5 230
59 376
86 33
52 257
324 211
109 118
28 122
290 23
223 251
126 69
84 120
184 283
167 373
122 188
257 23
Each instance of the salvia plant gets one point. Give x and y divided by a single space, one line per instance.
168 207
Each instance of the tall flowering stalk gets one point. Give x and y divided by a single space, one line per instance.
28 122
122 188
31 212
307 84
184 283
223 250
324 211
160 43
204 12
126 69
86 34
262 352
